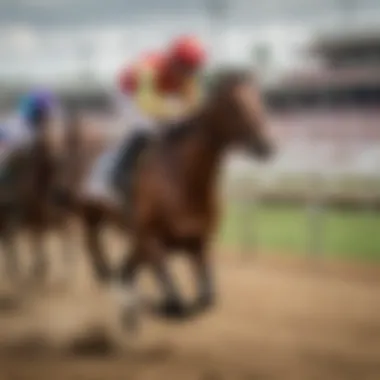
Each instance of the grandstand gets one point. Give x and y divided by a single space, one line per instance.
327 119
326 122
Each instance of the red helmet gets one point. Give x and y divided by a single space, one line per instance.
189 51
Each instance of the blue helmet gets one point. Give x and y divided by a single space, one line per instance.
37 104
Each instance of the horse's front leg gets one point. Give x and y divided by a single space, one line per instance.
125 288
68 249
9 239
204 278
10 254
150 251
93 230
38 249
172 305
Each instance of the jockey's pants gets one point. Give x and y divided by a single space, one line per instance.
140 130
127 159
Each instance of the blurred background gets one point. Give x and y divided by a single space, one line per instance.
318 62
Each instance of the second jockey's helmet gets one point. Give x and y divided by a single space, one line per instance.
189 51
37 104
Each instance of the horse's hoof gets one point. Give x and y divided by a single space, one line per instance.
203 304
173 310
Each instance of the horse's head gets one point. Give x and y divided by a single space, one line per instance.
239 115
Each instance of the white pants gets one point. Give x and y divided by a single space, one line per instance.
14 133
129 119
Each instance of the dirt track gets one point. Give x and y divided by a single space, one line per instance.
273 321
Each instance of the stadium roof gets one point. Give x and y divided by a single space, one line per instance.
364 40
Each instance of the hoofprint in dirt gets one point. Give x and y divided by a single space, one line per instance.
272 322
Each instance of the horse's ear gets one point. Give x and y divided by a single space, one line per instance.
225 77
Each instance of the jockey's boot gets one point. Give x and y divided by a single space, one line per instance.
124 168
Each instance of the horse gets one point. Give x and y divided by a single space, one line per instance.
32 197
175 194
40 191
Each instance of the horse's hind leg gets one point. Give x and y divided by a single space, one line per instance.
10 252
39 265
67 250
128 294
9 242
93 229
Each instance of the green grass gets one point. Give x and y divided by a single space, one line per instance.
348 234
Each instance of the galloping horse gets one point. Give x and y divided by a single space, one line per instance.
40 191
31 196
175 187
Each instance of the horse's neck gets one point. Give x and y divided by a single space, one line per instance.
201 162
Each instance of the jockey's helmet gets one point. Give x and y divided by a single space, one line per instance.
187 51
37 105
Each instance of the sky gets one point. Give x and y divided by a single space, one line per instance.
56 38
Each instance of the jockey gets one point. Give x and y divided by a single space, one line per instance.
34 109
37 107
158 87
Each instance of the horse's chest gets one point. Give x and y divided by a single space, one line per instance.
188 225
188 215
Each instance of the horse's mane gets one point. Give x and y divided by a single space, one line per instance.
176 131
221 81
227 77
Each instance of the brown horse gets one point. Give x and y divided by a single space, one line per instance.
41 193
175 185
33 198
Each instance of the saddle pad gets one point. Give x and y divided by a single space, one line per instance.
13 134
98 184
